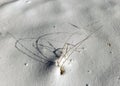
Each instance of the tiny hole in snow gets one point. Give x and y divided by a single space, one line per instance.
70 61
109 44
89 71
87 85
110 51
26 64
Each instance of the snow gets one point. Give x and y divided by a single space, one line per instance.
94 63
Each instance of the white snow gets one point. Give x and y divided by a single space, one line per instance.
94 63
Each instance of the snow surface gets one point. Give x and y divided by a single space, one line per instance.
96 62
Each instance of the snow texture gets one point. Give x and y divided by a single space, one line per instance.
35 34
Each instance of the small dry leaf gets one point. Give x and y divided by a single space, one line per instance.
62 70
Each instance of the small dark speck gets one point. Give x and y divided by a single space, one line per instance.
26 64
89 71
109 44
87 85
70 60
54 26
110 51
83 48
